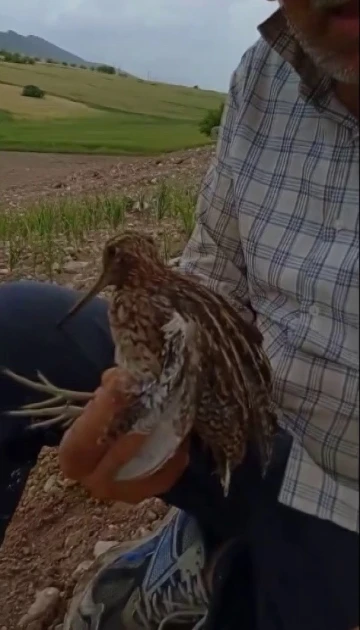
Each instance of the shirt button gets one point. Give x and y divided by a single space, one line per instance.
314 310
338 224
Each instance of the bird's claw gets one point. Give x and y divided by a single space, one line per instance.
58 410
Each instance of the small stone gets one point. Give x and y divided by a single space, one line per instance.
152 516
102 546
74 266
72 540
56 267
78 282
69 483
142 532
82 567
42 608
50 484
4 271
174 262
155 525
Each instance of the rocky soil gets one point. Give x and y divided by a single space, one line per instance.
29 176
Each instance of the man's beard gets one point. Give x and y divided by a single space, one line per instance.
326 61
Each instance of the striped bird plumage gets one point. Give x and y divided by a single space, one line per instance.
226 376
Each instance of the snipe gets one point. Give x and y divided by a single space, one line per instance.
196 362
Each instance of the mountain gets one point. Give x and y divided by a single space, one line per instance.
36 47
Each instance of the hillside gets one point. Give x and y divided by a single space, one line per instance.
36 47
87 111
112 92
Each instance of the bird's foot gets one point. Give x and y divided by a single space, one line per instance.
60 409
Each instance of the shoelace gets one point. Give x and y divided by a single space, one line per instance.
162 606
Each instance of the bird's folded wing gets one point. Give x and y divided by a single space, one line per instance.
166 407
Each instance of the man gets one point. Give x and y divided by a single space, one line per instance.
277 229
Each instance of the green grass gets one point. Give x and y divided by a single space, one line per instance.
125 115
49 108
41 235
107 134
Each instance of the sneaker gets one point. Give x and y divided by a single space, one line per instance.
156 585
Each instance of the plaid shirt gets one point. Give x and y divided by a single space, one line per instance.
278 228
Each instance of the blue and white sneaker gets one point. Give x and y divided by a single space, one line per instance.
156 585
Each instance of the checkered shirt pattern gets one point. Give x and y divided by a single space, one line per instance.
278 229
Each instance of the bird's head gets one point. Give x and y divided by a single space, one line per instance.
128 258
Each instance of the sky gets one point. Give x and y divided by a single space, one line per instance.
193 42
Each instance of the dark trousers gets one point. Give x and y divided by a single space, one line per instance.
284 570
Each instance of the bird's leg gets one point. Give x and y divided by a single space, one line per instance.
60 409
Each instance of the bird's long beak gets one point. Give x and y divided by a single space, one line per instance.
100 284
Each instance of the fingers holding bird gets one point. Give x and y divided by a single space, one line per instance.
111 462
92 453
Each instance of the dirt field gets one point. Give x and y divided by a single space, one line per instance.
25 177
33 173
52 536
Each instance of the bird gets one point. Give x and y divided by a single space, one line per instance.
197 364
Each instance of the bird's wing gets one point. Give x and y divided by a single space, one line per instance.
165 407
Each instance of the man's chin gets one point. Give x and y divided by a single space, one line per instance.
343 66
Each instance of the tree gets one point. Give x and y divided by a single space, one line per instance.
33 91
106 69
16 57
211 119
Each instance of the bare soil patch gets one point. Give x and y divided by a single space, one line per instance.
34 173
26 177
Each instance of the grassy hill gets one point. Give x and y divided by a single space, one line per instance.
36 47
119 114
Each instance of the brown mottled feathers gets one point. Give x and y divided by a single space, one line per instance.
226 373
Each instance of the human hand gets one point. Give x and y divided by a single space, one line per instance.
89 454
